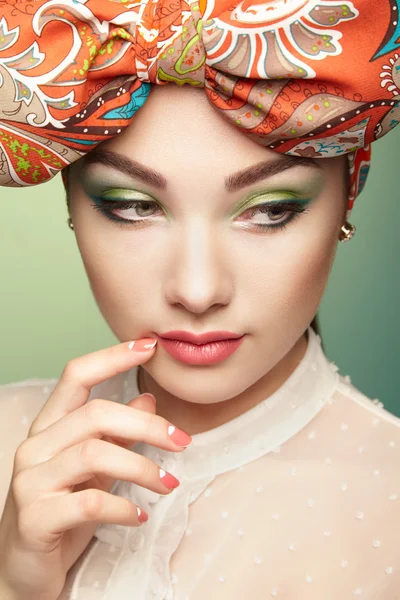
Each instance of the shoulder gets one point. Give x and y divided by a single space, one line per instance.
20 403
367 435
372 407
25 398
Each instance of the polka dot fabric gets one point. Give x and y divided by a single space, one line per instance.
296 499
311 78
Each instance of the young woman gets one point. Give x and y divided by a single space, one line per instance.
215 452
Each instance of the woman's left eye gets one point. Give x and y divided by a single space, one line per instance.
271 215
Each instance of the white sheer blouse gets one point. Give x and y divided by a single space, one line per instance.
296 499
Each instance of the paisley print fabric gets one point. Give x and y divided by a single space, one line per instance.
314 78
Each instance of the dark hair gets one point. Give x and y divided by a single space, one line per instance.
67 175
315 325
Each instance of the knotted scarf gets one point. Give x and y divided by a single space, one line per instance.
313 78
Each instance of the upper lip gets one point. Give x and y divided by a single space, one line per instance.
202 338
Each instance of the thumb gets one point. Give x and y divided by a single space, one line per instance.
146 402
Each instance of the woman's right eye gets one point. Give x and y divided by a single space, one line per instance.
135 211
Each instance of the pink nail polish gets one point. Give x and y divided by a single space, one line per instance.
142 515
168 480
178 436
152 398
142 345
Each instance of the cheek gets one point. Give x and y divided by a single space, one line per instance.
121 270
307 258
310 274
288 282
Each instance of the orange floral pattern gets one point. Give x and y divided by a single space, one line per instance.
300 77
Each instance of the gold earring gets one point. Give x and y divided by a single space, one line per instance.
346 232
70 224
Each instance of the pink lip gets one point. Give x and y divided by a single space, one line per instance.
201 354
202 338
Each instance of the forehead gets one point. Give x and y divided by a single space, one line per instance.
179 132
180 123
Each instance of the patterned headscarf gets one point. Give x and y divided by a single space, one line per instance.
314 78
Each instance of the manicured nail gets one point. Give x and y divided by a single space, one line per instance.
142 345
168 480
143 516
178 436
152 398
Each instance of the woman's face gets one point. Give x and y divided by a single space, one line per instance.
193 254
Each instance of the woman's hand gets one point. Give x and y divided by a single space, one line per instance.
63 471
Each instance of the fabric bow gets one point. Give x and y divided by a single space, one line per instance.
314 78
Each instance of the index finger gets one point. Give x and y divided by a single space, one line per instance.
82 373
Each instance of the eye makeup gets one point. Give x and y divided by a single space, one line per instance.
292 206
279 209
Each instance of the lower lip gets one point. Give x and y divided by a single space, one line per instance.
205 354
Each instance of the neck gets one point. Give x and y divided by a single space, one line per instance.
197 418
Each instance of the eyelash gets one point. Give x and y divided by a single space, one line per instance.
104 206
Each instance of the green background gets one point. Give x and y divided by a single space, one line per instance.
48 314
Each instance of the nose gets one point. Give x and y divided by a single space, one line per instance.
199 276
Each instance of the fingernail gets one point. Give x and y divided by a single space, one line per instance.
151 397
142 516
142 345
178 436
168 480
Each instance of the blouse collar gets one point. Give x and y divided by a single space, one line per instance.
259 430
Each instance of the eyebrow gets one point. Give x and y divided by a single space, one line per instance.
235 181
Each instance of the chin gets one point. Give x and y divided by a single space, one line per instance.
203 385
